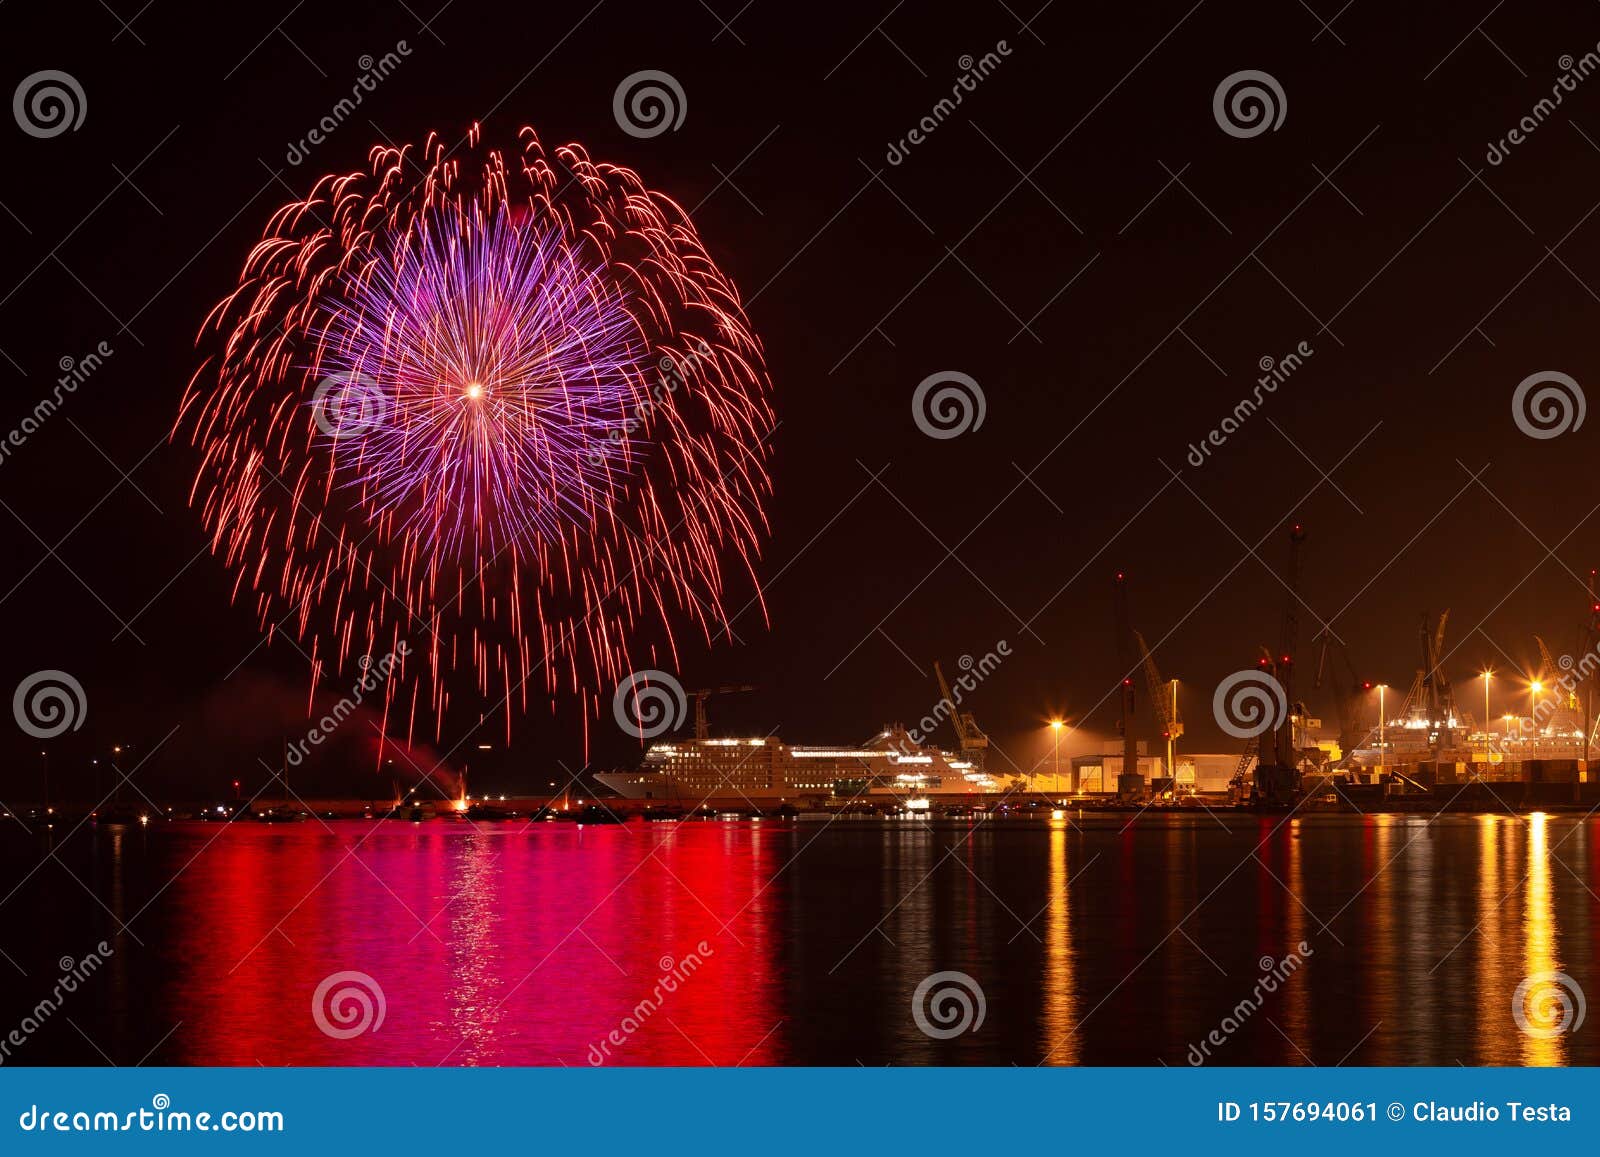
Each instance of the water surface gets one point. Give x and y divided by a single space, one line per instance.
1093 941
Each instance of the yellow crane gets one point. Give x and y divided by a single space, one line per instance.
1552 671
1164 695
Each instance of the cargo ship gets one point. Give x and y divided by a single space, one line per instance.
1530 748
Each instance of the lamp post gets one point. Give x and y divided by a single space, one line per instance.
1533 706
1055 732
1383 723
1486 675
1172 740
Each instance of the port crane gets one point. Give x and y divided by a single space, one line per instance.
1278 782
974 743
1552 671
1431 694
1334 666
1589 642
1435 684
702 725
1255 749
1125 647
1284 746
1165 696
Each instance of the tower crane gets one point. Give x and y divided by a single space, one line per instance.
702 726
974 743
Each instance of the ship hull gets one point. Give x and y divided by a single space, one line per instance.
890 763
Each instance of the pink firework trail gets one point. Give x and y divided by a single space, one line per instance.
506 406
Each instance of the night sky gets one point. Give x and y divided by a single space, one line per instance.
1080 236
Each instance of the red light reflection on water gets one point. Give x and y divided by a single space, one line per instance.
491 946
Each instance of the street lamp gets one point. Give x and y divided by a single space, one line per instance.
1055 731
1534 689
1486 676
1174 729
1383 723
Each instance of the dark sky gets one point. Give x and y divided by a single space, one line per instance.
1080 236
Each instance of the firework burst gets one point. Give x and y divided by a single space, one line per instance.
508 406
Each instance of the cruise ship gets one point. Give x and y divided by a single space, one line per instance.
891 762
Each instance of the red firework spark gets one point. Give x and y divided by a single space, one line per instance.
504 409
